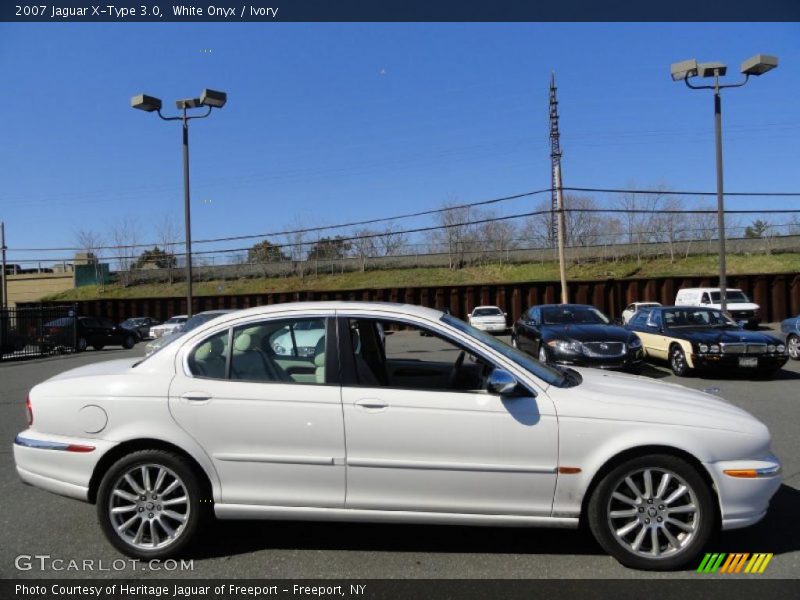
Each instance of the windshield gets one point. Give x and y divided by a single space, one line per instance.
487 312
566 315
547 373
733 297
697 317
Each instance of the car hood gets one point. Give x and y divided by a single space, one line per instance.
587 333
615 396
709 335
109 367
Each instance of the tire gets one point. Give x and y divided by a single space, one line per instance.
635 547
793 346
542 354
129 342
677 361
183 518
82 344
98 346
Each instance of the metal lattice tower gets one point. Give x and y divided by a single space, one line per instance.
555 156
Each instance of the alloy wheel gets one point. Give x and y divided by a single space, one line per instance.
654 513
149 506
793 345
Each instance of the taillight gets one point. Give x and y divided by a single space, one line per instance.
29 411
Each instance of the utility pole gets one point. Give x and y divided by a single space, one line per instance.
562 263
4 287
555 157
557 231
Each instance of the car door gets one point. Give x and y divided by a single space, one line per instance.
657 342
529 336
418 442
273 440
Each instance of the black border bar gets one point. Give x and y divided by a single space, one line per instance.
400 11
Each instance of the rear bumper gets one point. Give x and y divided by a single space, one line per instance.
52 462
744 501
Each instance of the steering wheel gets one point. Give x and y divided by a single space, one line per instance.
456 370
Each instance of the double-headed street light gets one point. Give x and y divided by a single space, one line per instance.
210 99
683 71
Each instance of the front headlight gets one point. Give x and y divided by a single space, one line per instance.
703 348
279 350
771 348
781 348
635 343
566 346
714 348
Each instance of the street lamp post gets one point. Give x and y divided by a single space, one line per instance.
683 71
210 99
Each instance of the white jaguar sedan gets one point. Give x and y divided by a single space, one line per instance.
382 424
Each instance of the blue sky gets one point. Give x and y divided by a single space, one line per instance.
334 122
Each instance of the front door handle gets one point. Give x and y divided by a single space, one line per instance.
372 404
196 396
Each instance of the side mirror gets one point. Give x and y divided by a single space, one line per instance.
501 382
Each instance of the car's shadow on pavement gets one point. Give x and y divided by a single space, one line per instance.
778 533
240 537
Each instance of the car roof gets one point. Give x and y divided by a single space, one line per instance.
343 305
570 305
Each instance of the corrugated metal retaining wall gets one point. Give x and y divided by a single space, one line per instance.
777 294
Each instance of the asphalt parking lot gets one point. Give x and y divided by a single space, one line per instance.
35 522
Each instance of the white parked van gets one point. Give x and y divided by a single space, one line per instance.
740 307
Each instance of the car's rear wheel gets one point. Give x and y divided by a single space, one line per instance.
81 344
678 362
150 504
793 346
653 512
129 342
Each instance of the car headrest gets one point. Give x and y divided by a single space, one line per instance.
243 342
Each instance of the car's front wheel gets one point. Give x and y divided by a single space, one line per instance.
654 512
793 346
129 342
678 362
150 504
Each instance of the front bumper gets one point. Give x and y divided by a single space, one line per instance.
765 362
57 464
630 361
744 501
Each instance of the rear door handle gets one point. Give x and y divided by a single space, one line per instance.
196 396
372 404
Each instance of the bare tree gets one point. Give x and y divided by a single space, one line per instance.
497 238
456 233
392 241
90 241
669 225
296 247
168 233
124 236
364 246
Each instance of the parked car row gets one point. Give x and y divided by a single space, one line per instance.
689 338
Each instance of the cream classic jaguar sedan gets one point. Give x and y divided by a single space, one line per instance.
382 424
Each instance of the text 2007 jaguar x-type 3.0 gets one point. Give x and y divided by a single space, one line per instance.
375 422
